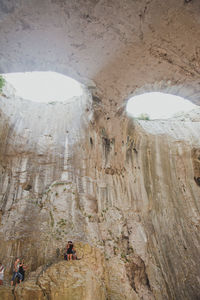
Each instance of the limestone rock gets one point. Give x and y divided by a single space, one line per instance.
84 171
125 47
6 293
126 188
73 280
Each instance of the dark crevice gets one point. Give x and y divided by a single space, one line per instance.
27 187
136 272
96 99
197 180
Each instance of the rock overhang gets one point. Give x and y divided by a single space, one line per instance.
121 46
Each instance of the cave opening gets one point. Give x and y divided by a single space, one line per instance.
157 105
43 87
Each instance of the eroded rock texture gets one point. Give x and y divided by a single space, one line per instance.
123 46
130 190
126 192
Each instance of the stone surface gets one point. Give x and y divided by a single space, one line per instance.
80 279
129 189
125 47
84 171
6 293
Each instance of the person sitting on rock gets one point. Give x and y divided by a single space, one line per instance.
1 273
16 272
74 256
70 250
73 251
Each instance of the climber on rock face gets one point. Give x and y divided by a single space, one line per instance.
22 269
16 272
70 250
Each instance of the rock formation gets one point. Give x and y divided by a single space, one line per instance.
125 191
127 188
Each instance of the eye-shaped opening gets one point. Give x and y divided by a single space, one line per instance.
43 87
156 105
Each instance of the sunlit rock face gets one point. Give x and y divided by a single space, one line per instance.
128 189
126 192
36 148
83 279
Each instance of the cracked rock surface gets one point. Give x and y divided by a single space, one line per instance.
126 192
123 46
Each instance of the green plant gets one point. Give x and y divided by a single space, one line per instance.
52 220
143 116
115 250
58 183
110 232
62 222
130 249
123 256
2 83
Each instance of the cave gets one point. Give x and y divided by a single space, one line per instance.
81 168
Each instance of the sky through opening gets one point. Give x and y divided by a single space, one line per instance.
44 86
158 105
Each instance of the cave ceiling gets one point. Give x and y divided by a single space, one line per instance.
124 47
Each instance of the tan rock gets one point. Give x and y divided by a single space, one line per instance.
73 280
87 172
6 293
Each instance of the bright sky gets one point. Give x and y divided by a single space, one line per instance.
44 86
158 105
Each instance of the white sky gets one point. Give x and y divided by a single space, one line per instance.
158 105
44 86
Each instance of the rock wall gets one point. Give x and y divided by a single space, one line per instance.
127 190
